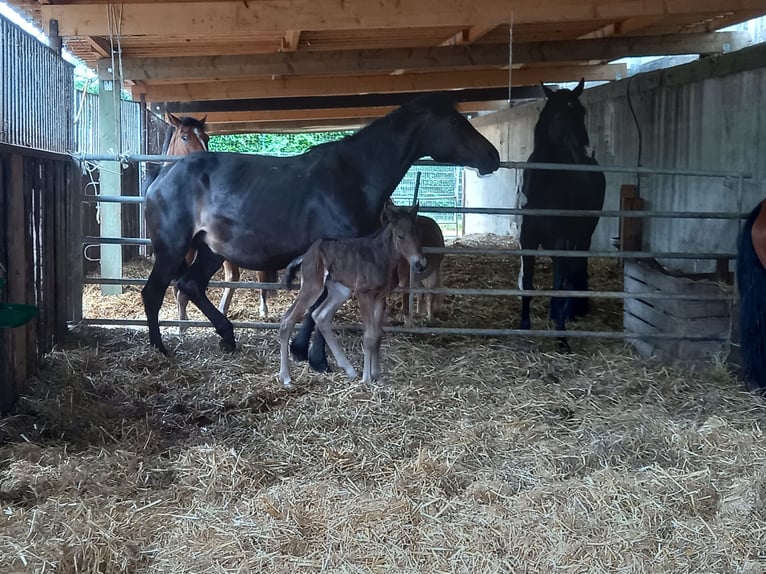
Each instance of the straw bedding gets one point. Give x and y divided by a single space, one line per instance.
474 455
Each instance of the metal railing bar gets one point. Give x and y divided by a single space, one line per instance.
128 157
462 291
426 330
507 210
92 240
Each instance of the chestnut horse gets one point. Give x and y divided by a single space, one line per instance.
260 212
429 235
363 267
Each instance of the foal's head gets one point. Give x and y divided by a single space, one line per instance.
188 136
562 121
401 222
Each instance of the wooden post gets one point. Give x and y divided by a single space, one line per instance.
631 228
17 274
110 128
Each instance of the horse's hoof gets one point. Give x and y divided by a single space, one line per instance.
299 352
319 366
227 346
564 347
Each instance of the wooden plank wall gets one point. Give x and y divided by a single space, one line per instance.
39 237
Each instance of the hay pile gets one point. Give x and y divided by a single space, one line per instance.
476 455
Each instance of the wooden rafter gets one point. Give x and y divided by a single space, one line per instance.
221 18
476 57
431 81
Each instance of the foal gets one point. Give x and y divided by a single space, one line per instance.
430 235
365 267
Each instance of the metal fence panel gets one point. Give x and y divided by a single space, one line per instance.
36 92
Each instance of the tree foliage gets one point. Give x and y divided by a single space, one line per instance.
273 144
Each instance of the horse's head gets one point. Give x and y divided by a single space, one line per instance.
401 221
188 136
449 137
562 122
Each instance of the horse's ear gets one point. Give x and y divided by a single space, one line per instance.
578 90
174 120
546 90
414 209
387 215
204 119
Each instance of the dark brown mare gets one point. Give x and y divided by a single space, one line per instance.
430 235
260 212
187 135
560 137
363 267
751 285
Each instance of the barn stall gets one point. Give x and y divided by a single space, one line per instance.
477 454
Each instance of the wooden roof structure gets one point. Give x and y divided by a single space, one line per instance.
265 64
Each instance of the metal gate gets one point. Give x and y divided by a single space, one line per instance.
465 251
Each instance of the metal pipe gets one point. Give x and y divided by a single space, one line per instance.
429 331
463 292
507 210
128 157
92 240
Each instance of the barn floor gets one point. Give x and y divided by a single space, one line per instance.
475 455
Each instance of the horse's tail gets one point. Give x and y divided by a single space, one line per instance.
751 284
291 272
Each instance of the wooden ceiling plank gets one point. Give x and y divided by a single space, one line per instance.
328 113
477 56
220 18
468 36
303 86
291 40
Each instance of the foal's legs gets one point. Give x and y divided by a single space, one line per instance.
194 283
337 294
265 277
230 273
309 292
373 313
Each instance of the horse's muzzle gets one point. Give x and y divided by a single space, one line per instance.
491 164
420 264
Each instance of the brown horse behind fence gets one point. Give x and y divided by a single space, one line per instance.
187 135
430 235
366 268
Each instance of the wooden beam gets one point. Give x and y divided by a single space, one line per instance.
328 86
477 56
221 18
327 114
291 40
468 35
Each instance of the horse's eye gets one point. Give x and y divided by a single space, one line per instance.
400 236
453 120
185 138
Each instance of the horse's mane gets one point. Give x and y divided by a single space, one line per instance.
438 103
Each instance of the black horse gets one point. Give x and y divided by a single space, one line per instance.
261 212
560 137
751 284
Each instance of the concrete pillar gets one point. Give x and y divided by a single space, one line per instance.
109 130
